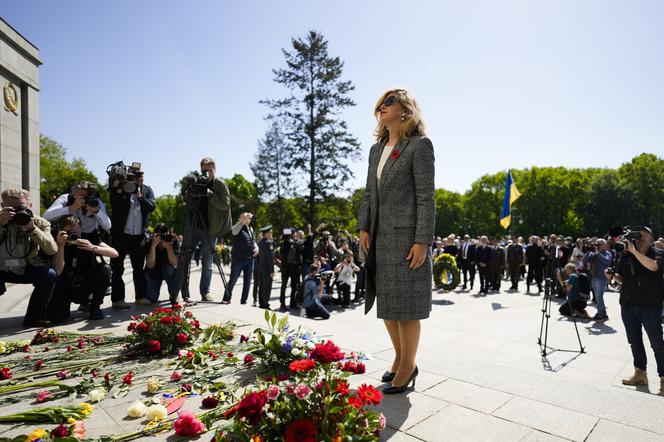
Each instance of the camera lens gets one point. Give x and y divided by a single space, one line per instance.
73 236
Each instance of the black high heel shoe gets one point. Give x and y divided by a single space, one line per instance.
388 376
404 387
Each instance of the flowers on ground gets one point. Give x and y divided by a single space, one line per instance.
156 412
302 365
163 331
137 409
153 385
187 424
5 373
97 394
301 430
44 396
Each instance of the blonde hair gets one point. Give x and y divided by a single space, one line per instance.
413 123
570 266
14 193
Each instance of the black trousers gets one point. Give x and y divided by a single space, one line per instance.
537 273
344 293
292 272
257 281
75 288
515 274
132 245
265 290
484 278
468 268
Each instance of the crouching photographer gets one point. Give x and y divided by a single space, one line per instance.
161 262
83 276
313 293
639 273
26 245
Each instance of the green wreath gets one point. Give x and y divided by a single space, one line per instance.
445 272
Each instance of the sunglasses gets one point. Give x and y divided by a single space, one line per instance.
389 101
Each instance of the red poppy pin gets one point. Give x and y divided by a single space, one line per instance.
395 153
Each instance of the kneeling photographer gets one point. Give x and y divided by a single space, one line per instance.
84 202
208 218
81 272
313 293
345 271
639 273
26 245
578 291
161 263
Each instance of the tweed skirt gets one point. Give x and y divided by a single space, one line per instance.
401 293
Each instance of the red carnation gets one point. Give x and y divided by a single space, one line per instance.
5 373
302 365
325 353
143 327
355 402
342 387
244 338
210 402
176 376
182 338
166 320
131 326
230 354
395 153
177 306
26 348
154 346
369 394
39 364
107 377
360 368
60 431
128 378
301 430
186 387
196 323
251 406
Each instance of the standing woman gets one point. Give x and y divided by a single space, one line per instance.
396 224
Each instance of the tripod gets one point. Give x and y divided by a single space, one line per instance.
195 222
544 327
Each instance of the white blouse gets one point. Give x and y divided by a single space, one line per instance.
387 150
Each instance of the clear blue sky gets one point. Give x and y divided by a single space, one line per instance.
503 84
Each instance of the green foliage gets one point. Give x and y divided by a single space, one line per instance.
169 209
58 174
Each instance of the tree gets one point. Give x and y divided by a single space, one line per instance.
58 174
169 209
319 140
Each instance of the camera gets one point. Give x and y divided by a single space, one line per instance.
195 186
626 233
22 216
73 236
325 275
127 176
164 232
92 200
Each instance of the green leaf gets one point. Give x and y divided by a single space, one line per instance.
274 320
267 316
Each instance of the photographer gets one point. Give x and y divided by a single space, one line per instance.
345 270
639 273
208 219
536 258
80 274
131 205
313 294
576 304
265 267
598 259
290 255
25 246
161 263
83 201
242 257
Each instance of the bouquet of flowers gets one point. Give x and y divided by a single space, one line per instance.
279 345
163 331
314 404
73 430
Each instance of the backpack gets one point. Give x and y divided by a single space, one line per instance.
584 286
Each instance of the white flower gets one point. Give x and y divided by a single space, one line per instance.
298 343
311 345
296 351
182 353
97 394
153 385
137 409
157 412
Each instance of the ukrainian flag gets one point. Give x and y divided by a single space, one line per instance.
511 195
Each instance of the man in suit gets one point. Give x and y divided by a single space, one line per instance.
129 226
265 267
496 265
514 260
467 257
536 258
242 257
484 254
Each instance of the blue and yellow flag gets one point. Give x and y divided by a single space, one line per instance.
511 195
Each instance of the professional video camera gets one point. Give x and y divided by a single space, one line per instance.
194 187
625 232
126 175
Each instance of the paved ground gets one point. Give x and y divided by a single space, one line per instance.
481 373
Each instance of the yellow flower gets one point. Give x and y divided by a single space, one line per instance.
221 396
3 347
39 433
153 385
86 408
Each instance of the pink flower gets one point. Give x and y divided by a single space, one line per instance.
62 374
244 338
78 430
382 421
302 391
273 392
249 360
60 431
187 424
176 376
44 396
290 388
186 387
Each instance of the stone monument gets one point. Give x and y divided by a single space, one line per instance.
19 113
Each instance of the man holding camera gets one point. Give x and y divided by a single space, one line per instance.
83 202
129 228
161 263
26 245
536 258
598 260
208 219
242 257
313 294
80 272
265 267
290 255
639 273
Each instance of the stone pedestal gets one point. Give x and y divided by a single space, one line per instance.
19 113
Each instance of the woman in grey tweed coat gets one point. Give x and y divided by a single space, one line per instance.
396 223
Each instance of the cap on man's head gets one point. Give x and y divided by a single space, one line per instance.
266 229
644 229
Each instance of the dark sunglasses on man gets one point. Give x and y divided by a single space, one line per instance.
389 101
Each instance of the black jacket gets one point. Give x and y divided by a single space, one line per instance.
120 204
266 256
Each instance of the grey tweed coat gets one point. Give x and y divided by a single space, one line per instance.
397 214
